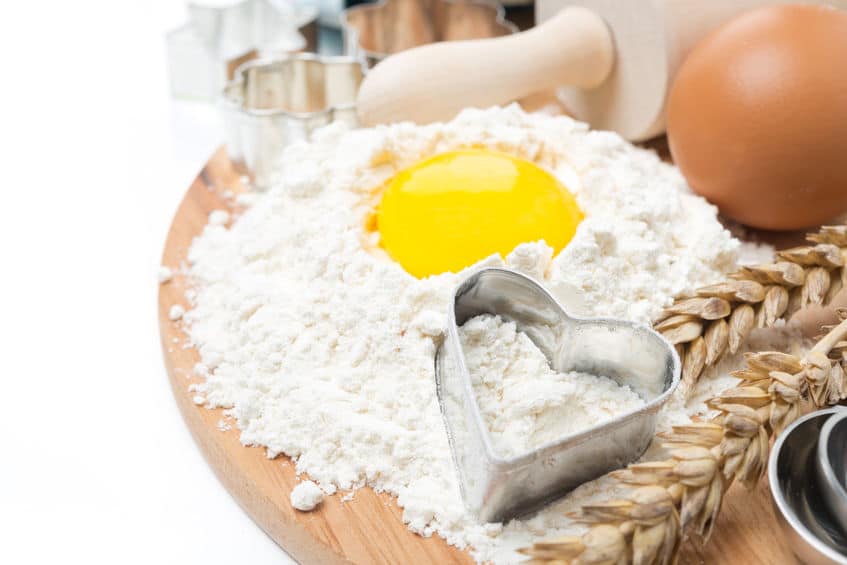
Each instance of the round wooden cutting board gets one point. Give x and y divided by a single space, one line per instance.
368 528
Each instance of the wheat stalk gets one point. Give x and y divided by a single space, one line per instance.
718 318
682 494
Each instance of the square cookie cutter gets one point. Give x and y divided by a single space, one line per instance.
273 102
496 489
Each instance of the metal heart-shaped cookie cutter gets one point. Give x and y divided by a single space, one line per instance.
496 489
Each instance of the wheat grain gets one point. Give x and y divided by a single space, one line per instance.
755 297
683 493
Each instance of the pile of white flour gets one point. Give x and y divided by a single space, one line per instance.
524 402
323 349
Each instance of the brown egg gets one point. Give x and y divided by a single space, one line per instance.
757 117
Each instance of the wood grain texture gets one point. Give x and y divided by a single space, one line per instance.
368 529
576 49
623 89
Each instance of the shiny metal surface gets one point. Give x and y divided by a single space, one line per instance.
232 29
225 30
378 30
204 53
275 101
831 466
496 488
799 502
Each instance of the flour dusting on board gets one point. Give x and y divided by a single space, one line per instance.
323 349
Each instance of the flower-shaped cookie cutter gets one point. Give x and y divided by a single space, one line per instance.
378 30
273 102
495 488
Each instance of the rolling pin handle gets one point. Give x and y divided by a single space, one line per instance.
434 82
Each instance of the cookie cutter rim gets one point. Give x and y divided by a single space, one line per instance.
255 137
499 467
806 543
830 467
352 35
328 60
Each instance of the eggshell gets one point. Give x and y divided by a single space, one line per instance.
757 117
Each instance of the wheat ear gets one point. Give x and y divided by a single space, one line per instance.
718 318
683 494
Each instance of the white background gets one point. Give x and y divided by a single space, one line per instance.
96 465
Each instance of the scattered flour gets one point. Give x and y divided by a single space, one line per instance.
219 217
176 312
165 274
322 348
755 253
306 496
525 403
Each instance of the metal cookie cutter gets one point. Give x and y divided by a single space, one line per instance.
386 27
204 52
496 489
807 507
275 101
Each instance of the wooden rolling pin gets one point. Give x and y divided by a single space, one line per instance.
612 61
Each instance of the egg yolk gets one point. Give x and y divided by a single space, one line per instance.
450 211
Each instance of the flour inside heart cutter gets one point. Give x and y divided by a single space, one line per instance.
497 489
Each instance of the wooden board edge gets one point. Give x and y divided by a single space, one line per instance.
742 510
253 499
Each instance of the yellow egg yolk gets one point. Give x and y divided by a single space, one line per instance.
450 211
